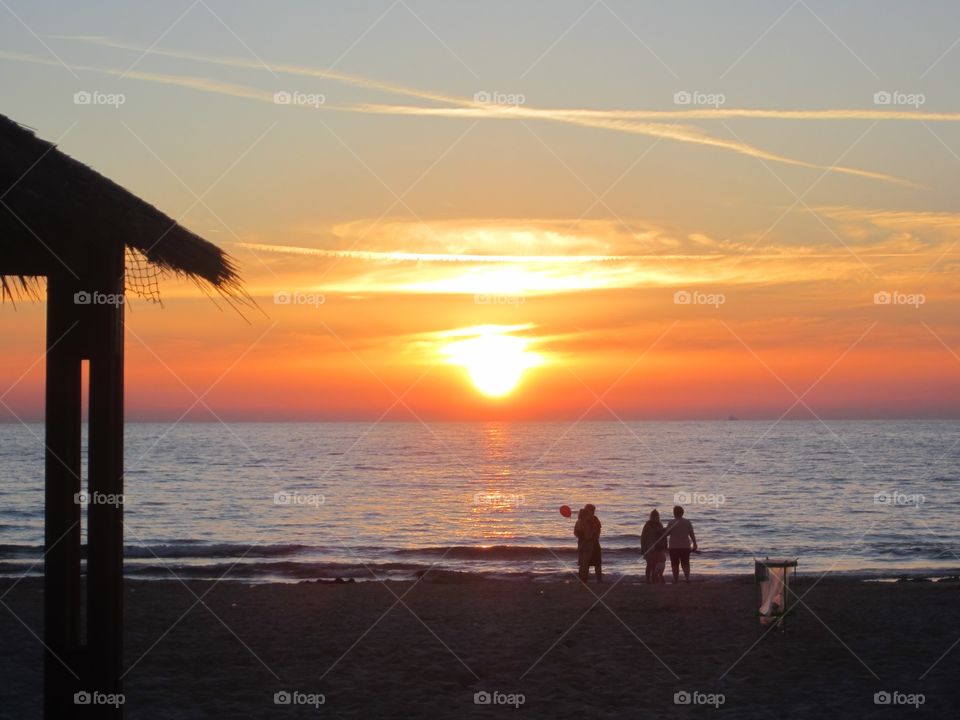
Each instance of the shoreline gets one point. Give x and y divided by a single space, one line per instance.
361 574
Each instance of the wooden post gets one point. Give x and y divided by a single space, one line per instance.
61 588
104 338
84 320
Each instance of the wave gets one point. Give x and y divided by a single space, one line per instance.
21 551
507 552
200 559
194 549
300 572
284 569
181 550
202 550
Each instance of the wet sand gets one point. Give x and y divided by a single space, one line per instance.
568 655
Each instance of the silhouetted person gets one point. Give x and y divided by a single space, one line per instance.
680 531
578 531
587 531
653 545
583 552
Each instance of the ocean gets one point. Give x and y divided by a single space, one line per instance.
281 502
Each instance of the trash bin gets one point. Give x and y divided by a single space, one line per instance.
776 578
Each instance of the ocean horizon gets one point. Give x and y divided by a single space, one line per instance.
285 502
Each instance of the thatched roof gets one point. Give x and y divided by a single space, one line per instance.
55 211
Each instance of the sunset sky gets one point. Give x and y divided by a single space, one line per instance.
499 209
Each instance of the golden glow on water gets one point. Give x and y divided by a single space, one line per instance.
498 501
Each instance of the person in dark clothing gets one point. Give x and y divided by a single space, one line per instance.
653 545
681 535
578 530
587 531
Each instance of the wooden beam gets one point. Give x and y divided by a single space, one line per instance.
104 335
84 321
61 589
27 268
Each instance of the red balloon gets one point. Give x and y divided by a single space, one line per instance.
565 510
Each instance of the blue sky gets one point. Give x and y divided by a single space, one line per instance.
558 54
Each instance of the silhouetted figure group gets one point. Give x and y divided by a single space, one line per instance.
587 531
676 539
657 541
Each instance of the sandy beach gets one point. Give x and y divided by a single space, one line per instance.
427 656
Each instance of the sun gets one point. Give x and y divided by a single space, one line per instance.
495 361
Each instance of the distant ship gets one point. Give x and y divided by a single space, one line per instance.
732 417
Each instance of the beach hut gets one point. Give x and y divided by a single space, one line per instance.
92 241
